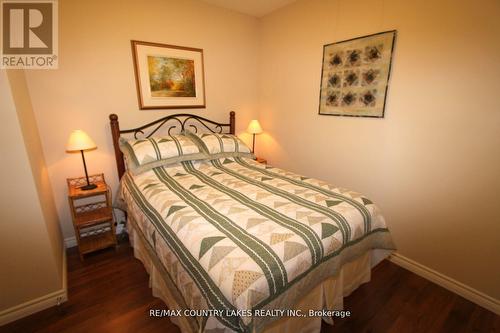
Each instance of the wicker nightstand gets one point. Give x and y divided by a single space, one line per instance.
92 219
261 160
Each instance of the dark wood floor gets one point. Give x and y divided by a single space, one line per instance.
109 293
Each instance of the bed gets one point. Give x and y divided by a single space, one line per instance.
238 246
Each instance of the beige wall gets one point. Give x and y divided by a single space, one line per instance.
433 163
30 239
96 76
36 158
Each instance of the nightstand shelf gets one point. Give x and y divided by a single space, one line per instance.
93 220
94 243
93 216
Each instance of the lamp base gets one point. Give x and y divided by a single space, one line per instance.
88 187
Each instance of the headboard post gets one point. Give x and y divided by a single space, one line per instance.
115 133
232 122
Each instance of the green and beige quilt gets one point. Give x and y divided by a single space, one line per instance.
236 236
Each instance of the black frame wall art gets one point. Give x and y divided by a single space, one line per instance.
355 76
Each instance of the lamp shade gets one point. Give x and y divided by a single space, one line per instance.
254 127
79 140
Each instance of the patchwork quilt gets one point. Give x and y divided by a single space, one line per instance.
236 236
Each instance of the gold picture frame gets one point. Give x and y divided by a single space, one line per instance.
168 76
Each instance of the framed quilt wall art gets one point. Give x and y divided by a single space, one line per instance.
355 76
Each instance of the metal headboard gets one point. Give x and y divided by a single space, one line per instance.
175 122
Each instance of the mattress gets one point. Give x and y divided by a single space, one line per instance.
238 238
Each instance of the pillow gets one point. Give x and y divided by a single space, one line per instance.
144 154
221 145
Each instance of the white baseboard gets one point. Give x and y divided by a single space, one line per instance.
70 242
40 303
444 281
65 276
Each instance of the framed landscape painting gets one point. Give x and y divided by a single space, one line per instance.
168 76
355 76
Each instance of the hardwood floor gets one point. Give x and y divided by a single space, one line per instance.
109 293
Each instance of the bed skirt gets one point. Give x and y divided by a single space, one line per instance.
327 295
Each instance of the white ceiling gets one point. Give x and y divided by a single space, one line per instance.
257 8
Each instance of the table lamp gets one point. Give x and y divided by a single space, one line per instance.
80 141
254 128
